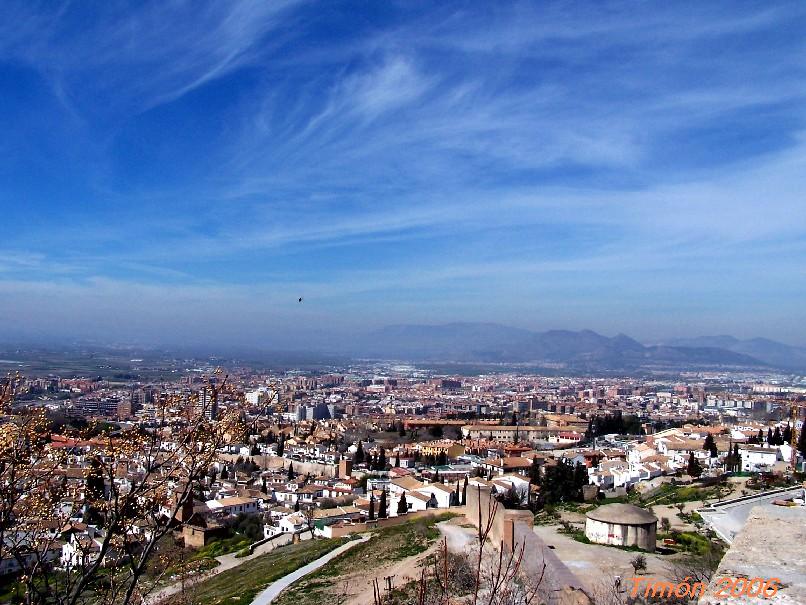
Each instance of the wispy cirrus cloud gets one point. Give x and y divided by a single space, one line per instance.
135 58
511 151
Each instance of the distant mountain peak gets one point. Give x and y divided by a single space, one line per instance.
488 342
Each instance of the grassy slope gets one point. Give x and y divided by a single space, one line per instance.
387 545
240 585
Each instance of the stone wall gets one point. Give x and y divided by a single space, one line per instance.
357 528
512 529
316 469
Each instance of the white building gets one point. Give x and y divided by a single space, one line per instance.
233 506
758 459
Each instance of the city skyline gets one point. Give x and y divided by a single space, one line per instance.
184 173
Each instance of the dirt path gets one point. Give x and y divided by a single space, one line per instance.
225 562
275 588
358 586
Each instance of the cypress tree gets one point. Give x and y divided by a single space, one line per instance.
372 507
534 472
95 484
769 436
402 505
382 506
358 457
291 473
802 441
580 477
776 436
694 469
786 436
710 446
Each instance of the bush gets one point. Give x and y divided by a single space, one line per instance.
638 563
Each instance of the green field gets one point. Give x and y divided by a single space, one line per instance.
240 585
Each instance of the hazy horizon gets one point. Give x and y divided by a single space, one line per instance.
304 341
183 173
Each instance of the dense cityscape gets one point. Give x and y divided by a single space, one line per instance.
279 458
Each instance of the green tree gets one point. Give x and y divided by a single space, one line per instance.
710 446
694 469
402 505
383 512
581 478
358 457
291 473
534 472
372 507
802 441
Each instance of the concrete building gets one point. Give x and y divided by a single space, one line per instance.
622 525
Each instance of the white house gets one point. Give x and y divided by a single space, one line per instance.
414 502
233 506
757 459
441 494
293 523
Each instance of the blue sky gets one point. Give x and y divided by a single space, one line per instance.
181 172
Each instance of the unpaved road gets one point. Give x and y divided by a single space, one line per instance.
275 588
459 538
405 570
225 562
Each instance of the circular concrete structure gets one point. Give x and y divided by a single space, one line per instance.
621 525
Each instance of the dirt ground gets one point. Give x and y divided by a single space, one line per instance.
591 562
357 587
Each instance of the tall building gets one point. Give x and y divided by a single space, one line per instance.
208 403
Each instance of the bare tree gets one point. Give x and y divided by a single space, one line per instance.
489 575
113 498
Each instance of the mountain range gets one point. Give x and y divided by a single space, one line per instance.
583 350
769 351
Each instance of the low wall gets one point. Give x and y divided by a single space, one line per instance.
357 528
512 529
275 538
316 469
